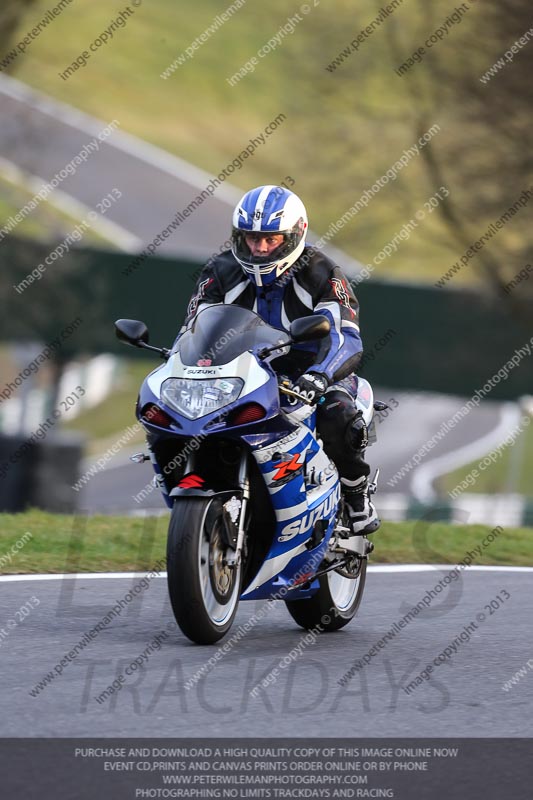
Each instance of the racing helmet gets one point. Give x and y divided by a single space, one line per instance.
269 210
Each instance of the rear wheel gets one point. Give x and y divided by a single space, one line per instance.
204 590
336 601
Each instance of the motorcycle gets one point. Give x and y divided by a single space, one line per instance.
256 506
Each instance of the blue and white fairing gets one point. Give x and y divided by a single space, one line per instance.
302 481
304 489
206 355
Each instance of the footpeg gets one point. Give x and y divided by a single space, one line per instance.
379 405
356 544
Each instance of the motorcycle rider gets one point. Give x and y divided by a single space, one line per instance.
272 271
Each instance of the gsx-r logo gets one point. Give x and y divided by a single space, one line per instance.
288 468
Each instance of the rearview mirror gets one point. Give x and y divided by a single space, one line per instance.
131 331
304 329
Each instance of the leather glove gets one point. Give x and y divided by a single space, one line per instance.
312 385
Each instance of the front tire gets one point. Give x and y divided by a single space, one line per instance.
333 605
204 591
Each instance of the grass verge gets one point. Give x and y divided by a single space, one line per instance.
326 129
46 223
65 543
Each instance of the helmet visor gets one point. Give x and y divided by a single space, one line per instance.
268 262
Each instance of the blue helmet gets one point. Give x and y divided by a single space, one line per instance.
274 210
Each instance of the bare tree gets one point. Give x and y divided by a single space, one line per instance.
486 151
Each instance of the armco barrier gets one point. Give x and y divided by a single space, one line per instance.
40 476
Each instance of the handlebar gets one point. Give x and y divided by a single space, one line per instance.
292 393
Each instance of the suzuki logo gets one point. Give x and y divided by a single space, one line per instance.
306 523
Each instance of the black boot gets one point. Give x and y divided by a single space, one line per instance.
361 512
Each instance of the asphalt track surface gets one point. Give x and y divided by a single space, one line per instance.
40 135
39 139
463 696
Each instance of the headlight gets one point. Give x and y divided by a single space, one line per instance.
198 397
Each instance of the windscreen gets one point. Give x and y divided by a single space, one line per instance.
220 333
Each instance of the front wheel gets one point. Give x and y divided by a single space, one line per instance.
204 590
334 604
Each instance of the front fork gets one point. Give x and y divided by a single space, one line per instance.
233 559
244 482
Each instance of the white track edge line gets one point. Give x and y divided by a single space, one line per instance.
106 228
121 140
144 151
421 483
374 568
